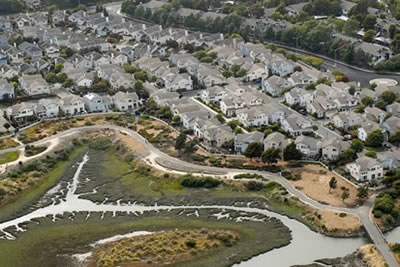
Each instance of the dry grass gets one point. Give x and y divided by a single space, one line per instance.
314 183
7 143
161 248
132 143
371 256
334 222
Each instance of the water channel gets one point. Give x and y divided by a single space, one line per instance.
305 247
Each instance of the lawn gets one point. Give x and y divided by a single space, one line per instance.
9 157
50 244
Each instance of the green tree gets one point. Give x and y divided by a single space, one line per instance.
375 138
394 138
139 85
362 193
51 77
180 141
220 117
369 36
388 96
234 124
271 155
360 108
345 193
254 150
369 22
332 184
291 152
176 119
367 101
357 145
58 68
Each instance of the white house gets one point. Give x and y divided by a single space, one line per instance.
95 103
34 85
274 85
21 111
296 125
308 146
366 128
253 117
48 108
242 141
179 82
365 169
275 140
126 101
332 147
72 104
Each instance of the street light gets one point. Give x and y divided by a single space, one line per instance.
335 55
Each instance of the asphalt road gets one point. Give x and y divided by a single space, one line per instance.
175 164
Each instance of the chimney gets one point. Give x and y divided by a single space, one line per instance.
160 27
186 33
170 31
107 19
65 12
112 55
221 35
201 36
234 43
84 13
55 61
148 48
123 20
15 44
144 26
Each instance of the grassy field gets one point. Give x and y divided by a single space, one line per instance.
25 197
7 143
9 157
49 244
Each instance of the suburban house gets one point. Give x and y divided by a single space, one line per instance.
95 103
332 147
253 117
308 146
365 169
72 104
242 141
21 112
126 101
274 85
275 140
213 95
296 125
365 128
34 85
47 108
392 124
347 119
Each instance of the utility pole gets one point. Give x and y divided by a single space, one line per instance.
297 41
335 54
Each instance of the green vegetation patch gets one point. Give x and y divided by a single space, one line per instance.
51 244
9 157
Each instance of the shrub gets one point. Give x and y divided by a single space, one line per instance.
190 243
198 182
377 214
100 143
342 214
254 186
248 176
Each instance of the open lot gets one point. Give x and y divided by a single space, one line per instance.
314 183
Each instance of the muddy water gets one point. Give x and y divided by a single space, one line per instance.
305 247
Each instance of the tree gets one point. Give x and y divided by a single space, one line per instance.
360 108
332 184
388 96
58 68
367 101
51 77
176 119
220 117
68 83
357 145
139 85
345 194
375 138
271 155
369 22
369 36
180 141
362 193
254 150
392 30
395 138
291 152
234 124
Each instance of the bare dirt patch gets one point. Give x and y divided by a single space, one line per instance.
334 221
372 256
314 183
132 143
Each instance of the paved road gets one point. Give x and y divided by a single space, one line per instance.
174 164
354 73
